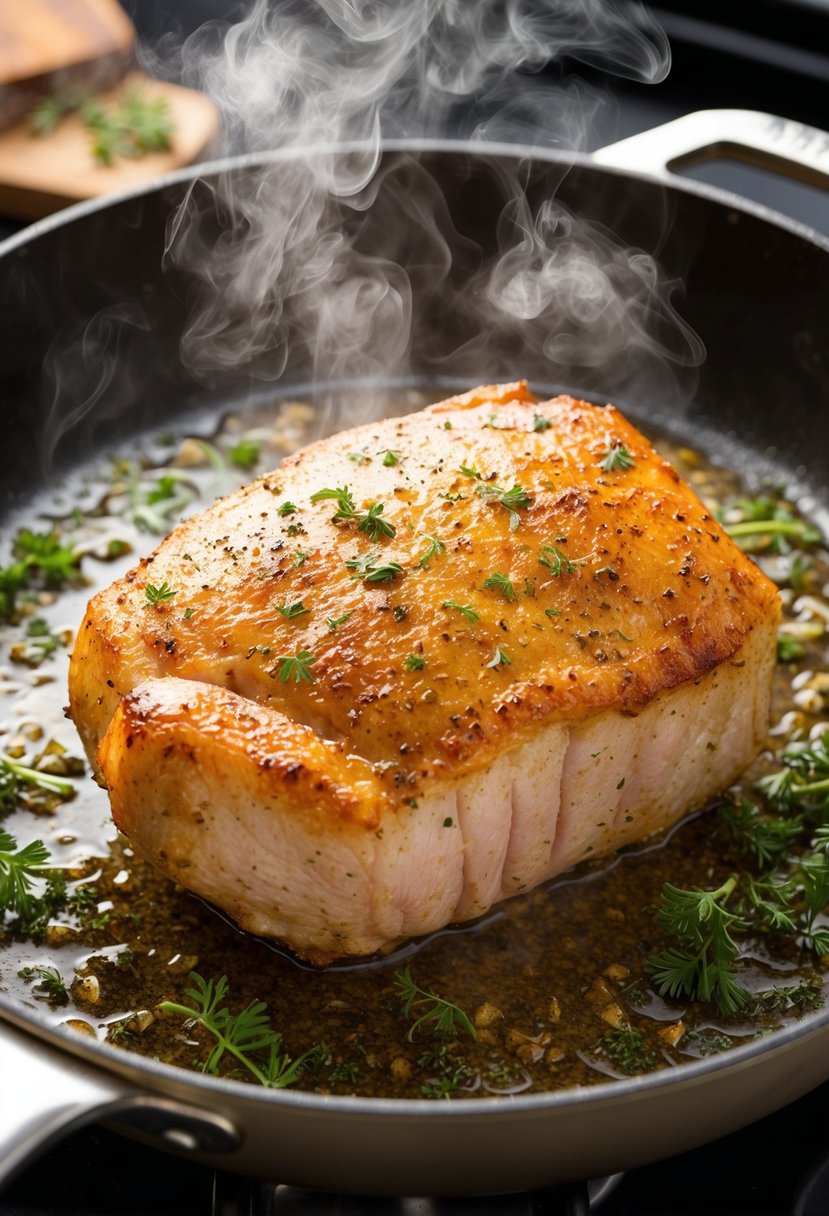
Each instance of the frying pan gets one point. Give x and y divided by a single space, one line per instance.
757 293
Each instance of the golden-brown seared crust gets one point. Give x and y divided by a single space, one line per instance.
178 719
651 592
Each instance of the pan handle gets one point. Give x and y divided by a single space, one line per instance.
762 140
46 1093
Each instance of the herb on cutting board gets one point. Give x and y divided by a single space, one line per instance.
136 126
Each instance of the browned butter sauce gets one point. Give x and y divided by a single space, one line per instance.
554 982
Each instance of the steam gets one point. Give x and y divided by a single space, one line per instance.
330 264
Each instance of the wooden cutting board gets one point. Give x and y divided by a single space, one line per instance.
41 174
48 45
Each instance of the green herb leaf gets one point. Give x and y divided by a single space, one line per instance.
157 595
333 621
444 1017
292 611
434 548
50 983
390 457
286 508
373 525
414 662
246 1036
706 967
617 458
626 1048
295 667
514 500
464 609
18 866
245 453
371 569
540 423
341 495
557 562
502 583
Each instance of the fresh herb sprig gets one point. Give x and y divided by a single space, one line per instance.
136 126
372 569
157 595
557 562
296 667
465 610
442 1016
434 548
38 556
704 965
247 1037
513 500
766 524
18 868
616 459
13 774
50 983
497 581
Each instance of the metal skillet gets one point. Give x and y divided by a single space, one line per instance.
756 291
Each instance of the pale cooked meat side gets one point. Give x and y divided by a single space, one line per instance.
564 653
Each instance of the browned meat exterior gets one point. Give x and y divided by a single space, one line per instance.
497 584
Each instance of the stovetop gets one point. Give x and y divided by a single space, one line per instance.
772 55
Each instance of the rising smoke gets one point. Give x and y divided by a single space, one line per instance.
334 265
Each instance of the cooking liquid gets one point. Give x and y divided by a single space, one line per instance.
546 976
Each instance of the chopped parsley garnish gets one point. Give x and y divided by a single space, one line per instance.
616 458
464 609
286 508
296 667
157 595
373 525
300 558
514 500
500 658
556 561
434 548
245 453
627 1049
292 611
371 569
500 582
361 457
390 457
470 471
414 662
540 423
333 621
552 612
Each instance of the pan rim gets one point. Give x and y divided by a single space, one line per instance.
508 151
134 1066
